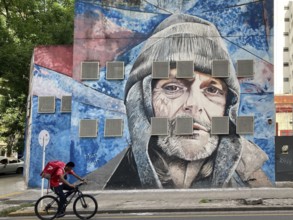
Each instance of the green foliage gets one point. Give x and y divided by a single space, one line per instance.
205 201
25 24
7 211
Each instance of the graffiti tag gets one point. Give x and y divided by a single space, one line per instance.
285 161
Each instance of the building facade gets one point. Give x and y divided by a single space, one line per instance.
288 50
158 94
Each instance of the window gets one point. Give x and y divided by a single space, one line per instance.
286 79
4 161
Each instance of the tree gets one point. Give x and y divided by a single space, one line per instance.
25 24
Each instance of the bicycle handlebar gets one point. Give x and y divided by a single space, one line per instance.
80 184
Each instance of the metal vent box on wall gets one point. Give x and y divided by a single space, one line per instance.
245 68
159 126
88 128
113 128
66 104
245 125
184 126
184 69
46 104
90 70
220 68
115 70
220 125
160 70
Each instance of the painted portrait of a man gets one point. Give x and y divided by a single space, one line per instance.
190 161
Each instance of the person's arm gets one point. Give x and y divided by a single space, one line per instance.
77 177
66 182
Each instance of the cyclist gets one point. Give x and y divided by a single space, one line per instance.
58 183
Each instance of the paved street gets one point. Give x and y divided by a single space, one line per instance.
11 183
119 203
176 216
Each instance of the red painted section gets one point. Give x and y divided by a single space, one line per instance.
100 40
57 58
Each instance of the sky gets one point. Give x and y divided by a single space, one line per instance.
279 43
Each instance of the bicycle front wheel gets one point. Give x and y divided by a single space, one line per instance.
46 207
85 206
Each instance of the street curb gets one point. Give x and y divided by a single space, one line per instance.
17 202
162 210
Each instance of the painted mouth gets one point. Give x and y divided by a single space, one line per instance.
197 127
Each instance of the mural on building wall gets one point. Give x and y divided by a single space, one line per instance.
200 31
200 159
86 103
140 32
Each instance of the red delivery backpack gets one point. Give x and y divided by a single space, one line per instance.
50 168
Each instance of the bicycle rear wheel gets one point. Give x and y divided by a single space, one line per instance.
85 206
46 207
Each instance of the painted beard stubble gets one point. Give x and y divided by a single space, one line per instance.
187 147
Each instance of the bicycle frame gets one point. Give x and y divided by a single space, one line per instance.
71 196
81 203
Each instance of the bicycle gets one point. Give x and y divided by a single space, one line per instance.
84 206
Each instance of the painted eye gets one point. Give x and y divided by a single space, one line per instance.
173 90
212 90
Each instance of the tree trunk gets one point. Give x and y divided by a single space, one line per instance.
10 146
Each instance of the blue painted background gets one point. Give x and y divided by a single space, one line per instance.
240 23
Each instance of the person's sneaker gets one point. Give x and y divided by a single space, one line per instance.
60 215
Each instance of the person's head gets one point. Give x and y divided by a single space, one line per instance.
69 166
182 38
200 98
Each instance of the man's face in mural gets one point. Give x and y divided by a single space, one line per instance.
201 98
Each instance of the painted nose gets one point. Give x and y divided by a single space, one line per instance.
193 104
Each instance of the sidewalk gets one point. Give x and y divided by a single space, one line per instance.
174 200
